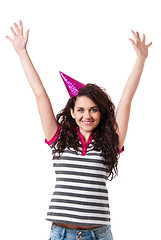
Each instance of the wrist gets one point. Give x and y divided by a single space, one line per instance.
22 52
141 58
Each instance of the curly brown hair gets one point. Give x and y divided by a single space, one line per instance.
105 136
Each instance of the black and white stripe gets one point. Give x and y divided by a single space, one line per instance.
80 196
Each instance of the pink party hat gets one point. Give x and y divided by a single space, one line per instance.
71 84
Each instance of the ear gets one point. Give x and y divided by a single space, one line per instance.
72 113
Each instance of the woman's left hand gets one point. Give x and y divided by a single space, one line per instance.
140 47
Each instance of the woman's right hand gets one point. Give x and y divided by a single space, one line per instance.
19 41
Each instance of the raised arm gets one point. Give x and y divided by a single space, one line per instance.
123 109
47 117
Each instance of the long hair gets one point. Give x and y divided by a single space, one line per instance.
105 136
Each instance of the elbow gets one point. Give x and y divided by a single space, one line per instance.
125 102
40 94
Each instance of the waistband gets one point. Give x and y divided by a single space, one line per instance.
60 228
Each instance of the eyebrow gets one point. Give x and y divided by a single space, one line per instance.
91 107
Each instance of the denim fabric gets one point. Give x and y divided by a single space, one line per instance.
62 233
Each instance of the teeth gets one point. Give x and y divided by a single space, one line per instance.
88 121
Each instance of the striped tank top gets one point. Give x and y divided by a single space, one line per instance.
80 196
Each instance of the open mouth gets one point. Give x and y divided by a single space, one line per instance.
87 122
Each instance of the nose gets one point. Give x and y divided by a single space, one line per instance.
87 115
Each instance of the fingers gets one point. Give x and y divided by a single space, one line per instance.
10 39
26 35
17 28
136 36
149 44
21 27
13 32
132 41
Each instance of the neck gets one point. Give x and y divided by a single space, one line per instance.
86 135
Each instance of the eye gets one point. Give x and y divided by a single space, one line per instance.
80 110
93 110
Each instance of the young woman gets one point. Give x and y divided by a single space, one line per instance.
86 138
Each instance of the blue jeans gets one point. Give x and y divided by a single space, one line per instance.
63 233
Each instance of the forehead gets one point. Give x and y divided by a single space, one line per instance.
84 101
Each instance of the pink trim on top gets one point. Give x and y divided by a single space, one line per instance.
120 151
84 145
50 142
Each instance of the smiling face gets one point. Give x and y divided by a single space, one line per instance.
86 114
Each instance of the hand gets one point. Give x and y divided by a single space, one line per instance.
19 42
140 47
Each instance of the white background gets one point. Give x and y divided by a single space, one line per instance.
87 40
